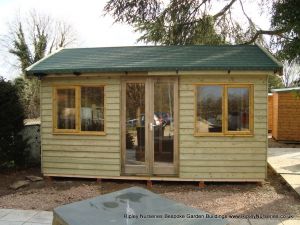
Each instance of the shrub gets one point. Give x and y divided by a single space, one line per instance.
12 145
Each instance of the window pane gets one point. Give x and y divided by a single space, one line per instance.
163 122
135 123
92 109
238 109
209 109
66 108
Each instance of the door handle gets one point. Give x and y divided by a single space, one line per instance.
151 125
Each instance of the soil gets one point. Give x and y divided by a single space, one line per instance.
282 144
273 197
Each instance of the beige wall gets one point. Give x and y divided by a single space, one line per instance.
222 157
81 155
228 158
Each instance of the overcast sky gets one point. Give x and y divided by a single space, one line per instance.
93 29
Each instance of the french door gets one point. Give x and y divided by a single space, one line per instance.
149 126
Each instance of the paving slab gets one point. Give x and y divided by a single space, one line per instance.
265 222
28 223
4 212
19 215
133 205
293 180
291 222
286 162
43 217
238 222
11 223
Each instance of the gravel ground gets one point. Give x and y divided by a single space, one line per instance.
282 144
273 197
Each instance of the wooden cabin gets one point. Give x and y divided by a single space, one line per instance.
188 113
286 114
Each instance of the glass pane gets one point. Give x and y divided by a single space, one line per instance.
92 109
209 109
238 109
163 123
135 123
66 109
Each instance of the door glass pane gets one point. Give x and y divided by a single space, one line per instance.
163 123
66 109
92 109
238 109
209 109
135 123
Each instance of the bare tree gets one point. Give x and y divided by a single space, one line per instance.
291 73
33 36
30 39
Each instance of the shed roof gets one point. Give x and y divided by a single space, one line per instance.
286 89
156 58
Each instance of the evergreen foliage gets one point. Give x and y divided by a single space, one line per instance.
12 145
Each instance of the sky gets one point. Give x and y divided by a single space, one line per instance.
92 28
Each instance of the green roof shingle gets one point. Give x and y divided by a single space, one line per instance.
156 58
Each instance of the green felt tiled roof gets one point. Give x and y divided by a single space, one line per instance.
156 58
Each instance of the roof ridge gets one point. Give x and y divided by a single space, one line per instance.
162 46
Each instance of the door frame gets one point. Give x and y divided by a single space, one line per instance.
150 169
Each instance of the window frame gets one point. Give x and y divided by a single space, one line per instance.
77 130
225 131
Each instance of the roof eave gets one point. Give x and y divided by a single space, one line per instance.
279 64
29 68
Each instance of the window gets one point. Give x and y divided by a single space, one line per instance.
224 109
66 115
209 109
79 109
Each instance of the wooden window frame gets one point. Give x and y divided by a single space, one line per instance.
77 130
225 131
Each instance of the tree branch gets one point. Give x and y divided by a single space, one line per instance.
267 32
245 14
224 10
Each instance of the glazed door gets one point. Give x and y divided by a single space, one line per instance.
149 120
163 135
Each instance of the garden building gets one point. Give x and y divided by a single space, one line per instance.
190 113
285 104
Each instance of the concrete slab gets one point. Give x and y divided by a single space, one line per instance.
4 212
42 217
19 215
286 162
238 222
291 222
10 223
45 218
265 222
25 217
293 180
28 223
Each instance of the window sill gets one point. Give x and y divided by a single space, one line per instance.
102 133
224 135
